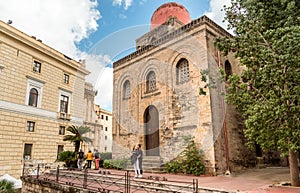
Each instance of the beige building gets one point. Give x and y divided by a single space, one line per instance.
42 92
161 99
105 120
91 120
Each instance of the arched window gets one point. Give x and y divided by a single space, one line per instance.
228 69
182 71
126 90
151 82
33 97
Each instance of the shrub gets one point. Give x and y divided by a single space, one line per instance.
104 156
115 164
6 187
69 157
190 161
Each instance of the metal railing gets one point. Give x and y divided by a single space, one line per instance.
105 181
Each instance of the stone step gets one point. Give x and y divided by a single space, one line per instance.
152 164
153 158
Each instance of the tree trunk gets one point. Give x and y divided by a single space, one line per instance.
77 146
294 168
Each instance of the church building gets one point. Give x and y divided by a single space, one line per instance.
169 91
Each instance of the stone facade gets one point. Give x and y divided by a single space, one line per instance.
42 92
91 120
105 120
163 112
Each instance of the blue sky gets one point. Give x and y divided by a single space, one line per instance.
116 17
99 31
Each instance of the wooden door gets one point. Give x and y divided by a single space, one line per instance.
151 131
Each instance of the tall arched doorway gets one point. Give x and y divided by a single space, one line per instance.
151 131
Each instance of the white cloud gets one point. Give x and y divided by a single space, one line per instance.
215 12
117 2
59 24
127 3
101 77
104 86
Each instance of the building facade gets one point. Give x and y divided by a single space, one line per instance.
168 92
42 94
91 120
105 120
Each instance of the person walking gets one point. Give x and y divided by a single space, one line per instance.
89 159
140 158
135 156
80 159
97 159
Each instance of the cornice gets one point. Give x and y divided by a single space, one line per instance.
172 35
32 42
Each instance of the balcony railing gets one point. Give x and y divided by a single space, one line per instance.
64 116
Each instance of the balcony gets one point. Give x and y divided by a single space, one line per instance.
64 116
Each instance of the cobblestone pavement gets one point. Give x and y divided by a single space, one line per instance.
266 180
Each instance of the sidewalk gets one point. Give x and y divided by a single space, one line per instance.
266 180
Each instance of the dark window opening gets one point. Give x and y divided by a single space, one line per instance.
27 151
64 104
37 66
228 69
33 97
66 78
62 130
60 148
30 126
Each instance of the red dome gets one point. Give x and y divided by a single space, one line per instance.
167 10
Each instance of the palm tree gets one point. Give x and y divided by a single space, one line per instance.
6 187
77 136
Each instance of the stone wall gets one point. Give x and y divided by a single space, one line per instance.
31 185
183 113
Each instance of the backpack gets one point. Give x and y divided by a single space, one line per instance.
80 155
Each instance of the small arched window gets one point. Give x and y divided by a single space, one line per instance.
33 97
182 71
151 82
228 69
126 90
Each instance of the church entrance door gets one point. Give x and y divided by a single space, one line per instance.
151 131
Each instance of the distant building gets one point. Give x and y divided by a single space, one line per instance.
105 120
161 99
42 93
91 120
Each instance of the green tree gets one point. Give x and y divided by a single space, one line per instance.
267 43
77 136
6 187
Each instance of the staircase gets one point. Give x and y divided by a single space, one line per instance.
152 164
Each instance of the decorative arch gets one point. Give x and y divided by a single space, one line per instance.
126 90
151 123
228 69
121 82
